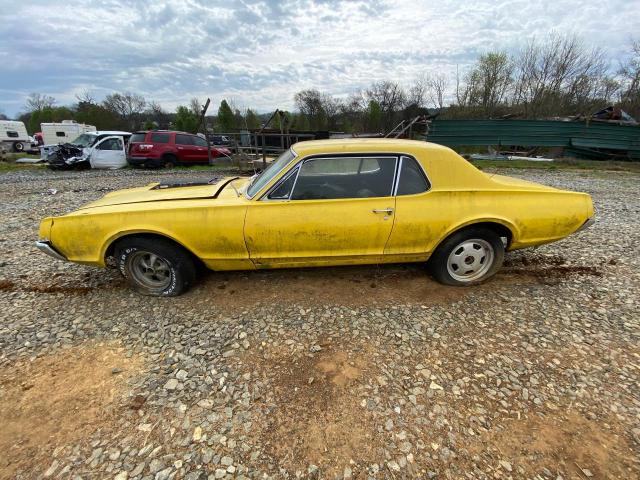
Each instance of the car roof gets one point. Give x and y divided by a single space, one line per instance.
108 132
165 131
359 145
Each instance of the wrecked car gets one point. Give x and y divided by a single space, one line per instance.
104 150
321 203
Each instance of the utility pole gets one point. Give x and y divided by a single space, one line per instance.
204 127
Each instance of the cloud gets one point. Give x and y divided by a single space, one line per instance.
261 52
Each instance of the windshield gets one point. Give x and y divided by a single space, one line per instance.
84 140
270 172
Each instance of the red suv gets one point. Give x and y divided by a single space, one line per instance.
158 148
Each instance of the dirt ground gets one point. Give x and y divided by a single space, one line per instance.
58 399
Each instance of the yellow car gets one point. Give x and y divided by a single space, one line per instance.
328 202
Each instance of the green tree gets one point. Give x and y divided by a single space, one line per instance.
251 120
48 115
374 116
225 117
186 120
97 115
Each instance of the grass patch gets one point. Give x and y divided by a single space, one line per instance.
561 164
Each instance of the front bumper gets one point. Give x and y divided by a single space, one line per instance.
45 247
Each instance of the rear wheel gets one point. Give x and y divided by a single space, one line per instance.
468 257
155 266
169 161
18 146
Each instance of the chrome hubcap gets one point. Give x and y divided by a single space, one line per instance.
470 260
150 270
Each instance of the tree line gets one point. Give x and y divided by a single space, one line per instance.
130 111
556 77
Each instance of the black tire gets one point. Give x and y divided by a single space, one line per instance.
170 274
169 161
18 146
468 257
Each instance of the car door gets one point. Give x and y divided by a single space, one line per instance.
201 152
326 211
419 216
185 148
108 153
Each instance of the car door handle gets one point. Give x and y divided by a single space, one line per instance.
386 211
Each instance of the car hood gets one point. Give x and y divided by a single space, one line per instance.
156 192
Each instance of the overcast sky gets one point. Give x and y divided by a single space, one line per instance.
259 53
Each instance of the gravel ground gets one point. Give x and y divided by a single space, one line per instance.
363 372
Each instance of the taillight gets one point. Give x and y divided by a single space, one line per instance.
145 147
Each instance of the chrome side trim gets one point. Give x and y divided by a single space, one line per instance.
45 247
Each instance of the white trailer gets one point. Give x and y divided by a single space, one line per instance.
14 136
64 132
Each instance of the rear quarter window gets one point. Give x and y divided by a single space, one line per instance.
137 137
159 138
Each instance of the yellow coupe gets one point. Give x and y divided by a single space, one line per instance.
329 202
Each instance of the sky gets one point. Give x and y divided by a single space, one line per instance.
260 53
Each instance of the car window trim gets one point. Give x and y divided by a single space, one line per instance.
296 162
298 166
399 172
295 171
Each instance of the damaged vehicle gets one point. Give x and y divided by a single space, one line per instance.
321 203
104 150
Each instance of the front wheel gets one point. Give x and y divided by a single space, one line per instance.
155 266
18 146
468 257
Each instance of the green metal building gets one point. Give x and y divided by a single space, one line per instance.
580 139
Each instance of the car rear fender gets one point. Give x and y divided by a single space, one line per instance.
501 226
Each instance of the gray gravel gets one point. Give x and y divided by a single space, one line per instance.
534 375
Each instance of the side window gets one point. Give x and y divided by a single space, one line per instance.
111 144
60 134
160 137
412 179
182 139
283 190
199 141
345 177
12 134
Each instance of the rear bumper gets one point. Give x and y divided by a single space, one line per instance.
45 247
140 160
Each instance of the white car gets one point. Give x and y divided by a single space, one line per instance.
101 149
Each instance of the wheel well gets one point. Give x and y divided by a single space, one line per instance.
169 155
110 252
498 228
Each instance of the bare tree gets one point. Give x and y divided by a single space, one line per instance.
557 75
85 96
390 97
436 89
37 102
129 106
311 103
156 114
630 73
418 91
195 106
